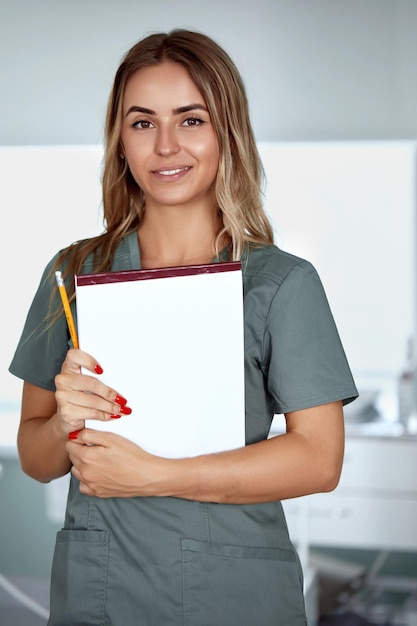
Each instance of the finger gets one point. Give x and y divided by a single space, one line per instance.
73 417
76 359
90 393
92 437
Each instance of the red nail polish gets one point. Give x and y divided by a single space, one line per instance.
126 410
98 369
120 400
115 417
74 434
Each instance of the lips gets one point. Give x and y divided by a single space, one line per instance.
172 172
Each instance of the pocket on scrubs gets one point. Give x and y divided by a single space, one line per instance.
78 580
241 586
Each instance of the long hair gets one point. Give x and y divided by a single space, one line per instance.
238 185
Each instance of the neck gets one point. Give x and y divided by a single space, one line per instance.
175 237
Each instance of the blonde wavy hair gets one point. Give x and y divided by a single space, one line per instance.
239 182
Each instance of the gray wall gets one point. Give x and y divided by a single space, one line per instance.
314 69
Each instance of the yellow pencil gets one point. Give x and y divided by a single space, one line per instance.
67 308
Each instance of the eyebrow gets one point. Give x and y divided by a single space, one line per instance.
177 111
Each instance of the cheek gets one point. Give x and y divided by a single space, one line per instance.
135 171
209 153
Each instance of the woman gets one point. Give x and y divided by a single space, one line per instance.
203 540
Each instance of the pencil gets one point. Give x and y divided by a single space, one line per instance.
67 309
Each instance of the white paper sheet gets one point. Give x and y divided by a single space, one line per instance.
172 346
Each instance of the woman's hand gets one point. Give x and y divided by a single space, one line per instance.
110 466
49 418
80 396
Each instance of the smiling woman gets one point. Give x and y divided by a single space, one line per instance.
196 540
173 157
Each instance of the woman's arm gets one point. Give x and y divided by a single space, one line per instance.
40 440
307 459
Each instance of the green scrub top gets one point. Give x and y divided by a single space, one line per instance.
168 561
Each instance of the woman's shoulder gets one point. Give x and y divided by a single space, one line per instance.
270 264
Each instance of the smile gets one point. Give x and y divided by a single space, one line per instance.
172 172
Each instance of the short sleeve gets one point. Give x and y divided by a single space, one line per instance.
303 358
42 346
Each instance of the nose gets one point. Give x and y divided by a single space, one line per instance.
167 142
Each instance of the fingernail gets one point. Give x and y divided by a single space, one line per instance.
120 400
115 417
98 369
126 410
74 434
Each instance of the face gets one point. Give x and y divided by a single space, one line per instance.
168 138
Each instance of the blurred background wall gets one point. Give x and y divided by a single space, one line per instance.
314 69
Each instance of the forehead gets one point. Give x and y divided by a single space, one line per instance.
167 82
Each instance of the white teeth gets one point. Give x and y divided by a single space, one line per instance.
172 172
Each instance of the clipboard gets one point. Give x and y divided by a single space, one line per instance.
171 341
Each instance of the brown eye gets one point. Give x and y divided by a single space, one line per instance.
142 124
193 121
